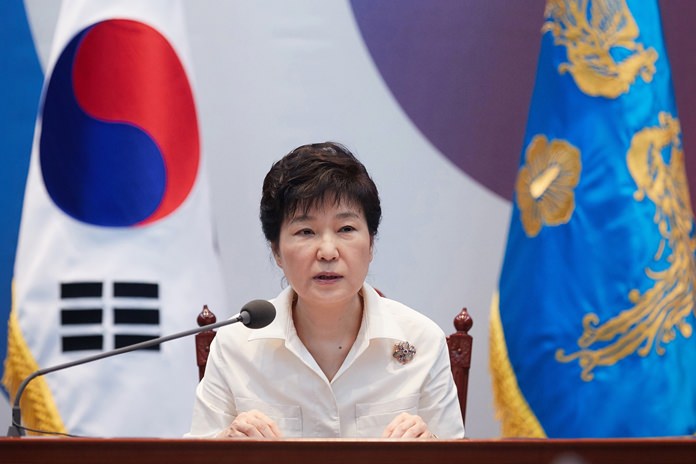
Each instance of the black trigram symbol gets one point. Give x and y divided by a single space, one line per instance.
78 311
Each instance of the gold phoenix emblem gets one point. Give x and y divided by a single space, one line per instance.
546 182
594 33
655 314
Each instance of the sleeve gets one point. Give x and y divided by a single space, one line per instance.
439 403
213 408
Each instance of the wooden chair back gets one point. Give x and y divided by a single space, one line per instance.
459 344
204 339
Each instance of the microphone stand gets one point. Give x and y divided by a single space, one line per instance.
16 429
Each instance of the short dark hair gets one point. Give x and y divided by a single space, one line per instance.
307 177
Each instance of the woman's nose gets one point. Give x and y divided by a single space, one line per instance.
328 251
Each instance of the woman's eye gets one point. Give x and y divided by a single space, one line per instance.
347 229
305 232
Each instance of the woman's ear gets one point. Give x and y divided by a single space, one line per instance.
276 256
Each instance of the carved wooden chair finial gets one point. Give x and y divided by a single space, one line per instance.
204 339
459 344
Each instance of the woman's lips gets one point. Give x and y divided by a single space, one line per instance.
327 277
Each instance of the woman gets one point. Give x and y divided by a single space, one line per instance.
339 360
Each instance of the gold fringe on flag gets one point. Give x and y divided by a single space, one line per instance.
517 419
39 410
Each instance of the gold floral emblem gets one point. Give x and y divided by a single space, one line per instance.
594 34
546 183
404 352
656 314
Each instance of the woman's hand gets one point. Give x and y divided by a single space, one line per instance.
251 424
407 425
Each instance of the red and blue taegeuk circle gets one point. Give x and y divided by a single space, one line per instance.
119 142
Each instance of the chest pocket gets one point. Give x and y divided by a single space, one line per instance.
288 417
373 418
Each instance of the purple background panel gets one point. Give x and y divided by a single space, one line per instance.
464 70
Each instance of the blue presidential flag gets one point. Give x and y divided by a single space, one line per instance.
592 334
20 86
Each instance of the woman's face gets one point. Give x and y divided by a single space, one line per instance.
325 254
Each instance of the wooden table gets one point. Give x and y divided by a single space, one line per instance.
517 451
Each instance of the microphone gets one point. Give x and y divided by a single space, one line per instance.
255 315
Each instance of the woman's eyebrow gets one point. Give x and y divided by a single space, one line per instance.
300 218
347 215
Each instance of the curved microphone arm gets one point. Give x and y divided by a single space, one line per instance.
17 430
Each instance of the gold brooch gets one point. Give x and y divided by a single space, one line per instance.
404 352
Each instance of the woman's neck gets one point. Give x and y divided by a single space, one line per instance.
327 319
328 333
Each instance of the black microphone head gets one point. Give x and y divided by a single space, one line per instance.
257 313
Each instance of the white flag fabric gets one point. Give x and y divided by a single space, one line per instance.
116 243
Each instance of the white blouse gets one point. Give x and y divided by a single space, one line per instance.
269 369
